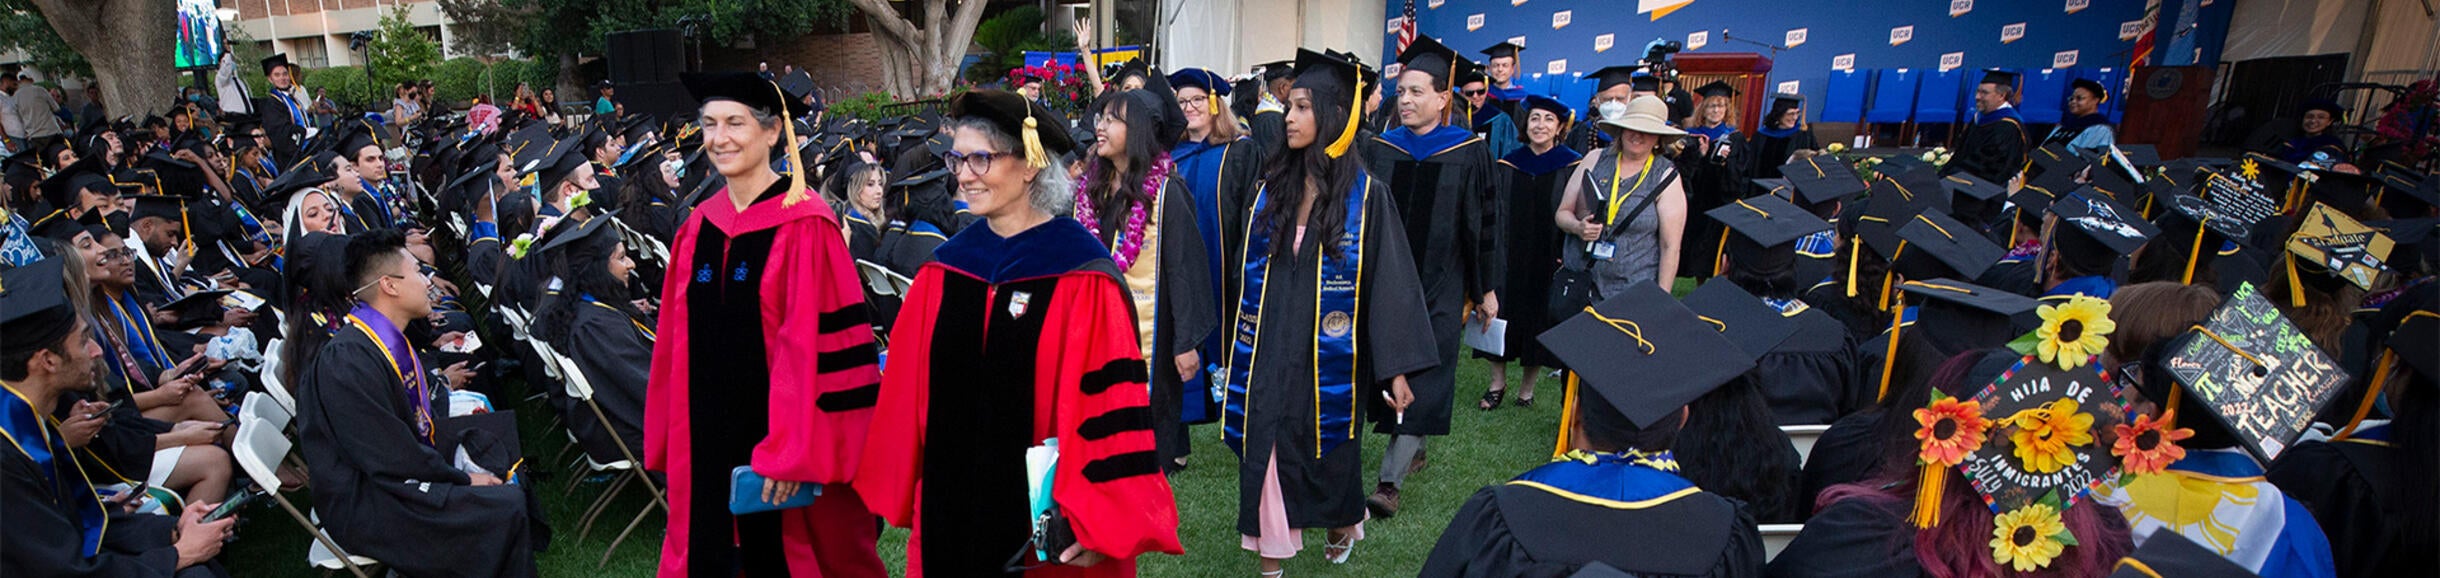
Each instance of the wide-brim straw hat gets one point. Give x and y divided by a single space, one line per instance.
1645 114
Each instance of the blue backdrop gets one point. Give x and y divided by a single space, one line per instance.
1859 28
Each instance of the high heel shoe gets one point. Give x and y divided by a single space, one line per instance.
1344 548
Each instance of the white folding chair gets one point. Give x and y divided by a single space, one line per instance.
1775 537
1804 436
257 447
631 470
260 406
273 364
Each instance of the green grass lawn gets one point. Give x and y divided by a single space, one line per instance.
1488 447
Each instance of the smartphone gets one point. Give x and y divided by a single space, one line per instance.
114 406
228 508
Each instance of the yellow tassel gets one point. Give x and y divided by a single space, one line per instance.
1719 260
1214 99
2295 284
2194 253
2380 376
1034 155
796 166
1567 415
2177 397
1889 358
1355 111
1854 244
1928 491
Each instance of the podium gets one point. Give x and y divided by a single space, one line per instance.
1749 72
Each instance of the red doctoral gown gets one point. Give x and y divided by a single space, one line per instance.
1005 342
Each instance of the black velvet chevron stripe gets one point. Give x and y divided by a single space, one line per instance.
849 399
1116 372
846 358
1116 421
845 318
1122 466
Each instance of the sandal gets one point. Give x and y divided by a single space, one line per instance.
1344 549
1524 401
1491 399
1275 573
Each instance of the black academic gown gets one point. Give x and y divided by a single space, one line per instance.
1449 217
1326 490
1529 189
1769 152
1993 149
381 491
1845 453
1534 530
1853 538
1809 379
1269 131
46 527
614 351
1182 313
1711 179
2354 488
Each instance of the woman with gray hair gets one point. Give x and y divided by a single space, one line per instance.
1018 343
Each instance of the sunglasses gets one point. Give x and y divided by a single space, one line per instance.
1475 93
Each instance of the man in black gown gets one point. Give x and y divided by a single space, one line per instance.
1994 148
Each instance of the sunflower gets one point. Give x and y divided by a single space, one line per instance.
2028 538
2072 333
2149 446
2046 436
1951 429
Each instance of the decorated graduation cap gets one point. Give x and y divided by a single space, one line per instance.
762 95
1505 49
1610 76
1761 232
2172 555
1429 56
34 306
2198 226
1719 88
2094 231
1932 245
1645 354
1037 127
1333 80
1755 327
2330 249
1820 180
2256 373
1214 86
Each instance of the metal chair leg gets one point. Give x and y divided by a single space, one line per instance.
601 505
622 535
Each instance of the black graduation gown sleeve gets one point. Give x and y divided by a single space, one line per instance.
1270 134
1185 309
616 359
44 539
483 259
1845 453
1809 379
1854 538
2353 491
1993 150
1486 539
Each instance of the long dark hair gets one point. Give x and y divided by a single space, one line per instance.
318 282
1141 150
1732 447
637 191
583 269
1294 173
1765 271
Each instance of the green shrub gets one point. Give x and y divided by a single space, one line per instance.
347 86
501 80
458 80
865 106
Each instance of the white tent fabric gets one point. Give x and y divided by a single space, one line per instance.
2276 28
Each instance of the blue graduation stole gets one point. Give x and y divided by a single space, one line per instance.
1334 341
140 338
296 114
1202 167
32 433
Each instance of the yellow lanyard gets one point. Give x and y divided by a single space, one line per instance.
1615 199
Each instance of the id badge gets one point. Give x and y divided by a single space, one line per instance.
1604 249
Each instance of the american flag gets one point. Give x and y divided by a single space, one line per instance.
1406 26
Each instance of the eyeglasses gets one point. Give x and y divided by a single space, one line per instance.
116 255
1193 103
425 275
1477 92
978 163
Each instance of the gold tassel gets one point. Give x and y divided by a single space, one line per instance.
1214 100
1928 491
2195 252
1719 259
2177 397
796 166
1355 111
1854 243
1034 155
1567 415
2295 284
2380 377
1889 358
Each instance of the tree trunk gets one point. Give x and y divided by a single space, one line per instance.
128 43
921 62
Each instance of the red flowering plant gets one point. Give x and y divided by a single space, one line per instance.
1063 86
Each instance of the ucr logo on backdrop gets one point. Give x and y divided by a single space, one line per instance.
1659 8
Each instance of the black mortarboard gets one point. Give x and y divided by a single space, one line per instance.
353 136
475 181
1971 186
2094 231
1613 76
645 154
2351 192
162 206
1768 220
1644 353
1429 56
1016 116
1894 165
2195 227
2252 370
1877 222
63 229
197 308
567 157
133 181
2031 204
2416 244
591 227
275 61
1504 49
1755 327
1999 77
1332 80
2271 175
85 174
2337 112
797 84
1161 101
2140 155
1716 88
1277 70
1968 316
2170 555
34 306
2406 194
2090 85
2330 245
2416 337
1469 72
2055 158
1786 100
1922 189
1776 187
312 171
744 88
1820 180
1938 246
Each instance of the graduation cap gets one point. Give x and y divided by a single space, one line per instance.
2053 159
159 206
1333 80
1900 164
311 172
2416 337
1533 102
2138 155
2171 555
2416 243
744 88
2089 85
1922 189
197 308
86 174
1968 315
1645 354
2252 370
1820 180
589 228
2271 177
2000 77
1613 76
1766 228
1719 88
1776 187
2350 192
1276 70
565 158
1936 246
1755 327
133 181
274 62
1469 72
1213 85
2094 231
2405 194
798 84
1016 116
2197 227
1429 56
2337 113
63 229
34 306
1973 187
1160 102
353 136
1786 101
1504 49
467 181
2064 402
2329 246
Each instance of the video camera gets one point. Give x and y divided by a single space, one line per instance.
1656 56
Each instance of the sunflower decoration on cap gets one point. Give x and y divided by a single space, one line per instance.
2033 443
2072 333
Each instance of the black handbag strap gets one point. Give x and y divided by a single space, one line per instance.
1610 230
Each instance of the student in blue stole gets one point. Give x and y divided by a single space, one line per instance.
1217 163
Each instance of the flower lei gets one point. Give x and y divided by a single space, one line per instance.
1130 241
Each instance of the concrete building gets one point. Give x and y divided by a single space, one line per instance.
1234 35
314 33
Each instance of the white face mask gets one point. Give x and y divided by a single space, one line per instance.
1613 109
